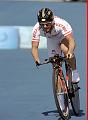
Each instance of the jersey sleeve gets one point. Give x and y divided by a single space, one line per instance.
36 33
66 28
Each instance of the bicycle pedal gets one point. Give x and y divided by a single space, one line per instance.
71 94
77 89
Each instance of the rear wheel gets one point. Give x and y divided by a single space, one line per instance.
73 93
61 96
75 101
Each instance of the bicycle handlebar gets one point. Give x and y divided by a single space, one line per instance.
54 59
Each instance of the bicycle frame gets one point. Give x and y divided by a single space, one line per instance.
69 89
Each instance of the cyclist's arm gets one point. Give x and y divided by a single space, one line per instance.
35 53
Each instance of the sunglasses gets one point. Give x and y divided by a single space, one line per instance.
47 24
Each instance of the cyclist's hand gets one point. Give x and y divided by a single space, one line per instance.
37 63
69 55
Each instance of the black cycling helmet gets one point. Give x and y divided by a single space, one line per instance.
44 15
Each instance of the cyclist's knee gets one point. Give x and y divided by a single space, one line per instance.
72 62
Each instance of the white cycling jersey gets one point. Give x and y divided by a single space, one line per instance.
60 30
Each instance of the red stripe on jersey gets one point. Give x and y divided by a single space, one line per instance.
34 41
61 26
35 31
67 33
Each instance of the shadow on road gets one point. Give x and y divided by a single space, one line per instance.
55 113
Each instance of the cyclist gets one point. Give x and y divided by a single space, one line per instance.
59 36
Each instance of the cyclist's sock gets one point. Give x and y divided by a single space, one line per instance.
75 76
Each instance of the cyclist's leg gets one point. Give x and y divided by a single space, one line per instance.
75 74
72 62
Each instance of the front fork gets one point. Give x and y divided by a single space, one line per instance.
59 80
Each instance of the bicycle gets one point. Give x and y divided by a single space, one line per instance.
64 90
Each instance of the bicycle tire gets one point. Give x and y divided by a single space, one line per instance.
75 101
66 100
73 94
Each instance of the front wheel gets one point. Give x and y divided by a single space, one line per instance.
61 97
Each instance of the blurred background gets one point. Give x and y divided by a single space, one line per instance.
25 91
